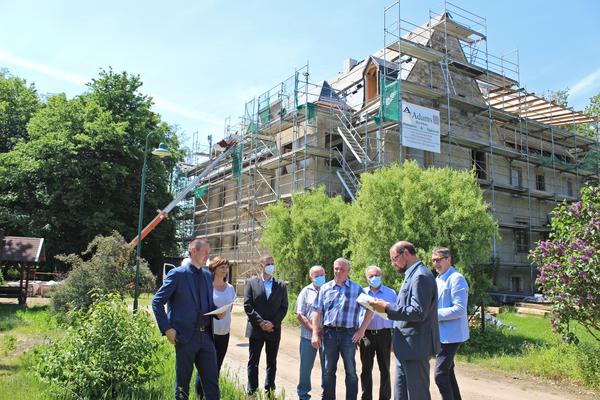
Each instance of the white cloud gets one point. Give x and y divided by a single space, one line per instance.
586 83
65 76
42 68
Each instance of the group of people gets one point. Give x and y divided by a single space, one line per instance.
426 318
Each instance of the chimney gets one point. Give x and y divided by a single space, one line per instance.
349 63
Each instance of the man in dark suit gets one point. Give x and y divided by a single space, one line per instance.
416 334
265 303
188 292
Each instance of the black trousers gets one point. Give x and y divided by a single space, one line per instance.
444 372
271 349
221 343
376 343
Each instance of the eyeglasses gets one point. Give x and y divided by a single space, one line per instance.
224 266
436 260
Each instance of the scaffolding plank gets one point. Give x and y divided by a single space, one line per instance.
417 50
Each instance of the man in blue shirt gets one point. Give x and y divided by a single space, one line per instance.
453 296
377 340
339 311
304 312
188 292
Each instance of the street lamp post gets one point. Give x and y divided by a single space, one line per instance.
161 151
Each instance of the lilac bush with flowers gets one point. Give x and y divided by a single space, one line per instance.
568 265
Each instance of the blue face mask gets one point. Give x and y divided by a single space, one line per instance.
375 281
319 280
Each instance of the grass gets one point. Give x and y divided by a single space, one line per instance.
21 328
533 349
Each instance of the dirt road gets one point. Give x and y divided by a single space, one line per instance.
475 383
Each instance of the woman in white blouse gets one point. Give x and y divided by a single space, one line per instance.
223 293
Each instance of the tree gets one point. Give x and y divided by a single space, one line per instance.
78 174
568 272
304 233
18 102
430 208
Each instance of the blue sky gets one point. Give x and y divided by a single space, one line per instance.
201 60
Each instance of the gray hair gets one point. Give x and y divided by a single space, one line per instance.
342 260
314 268
370 267
444 251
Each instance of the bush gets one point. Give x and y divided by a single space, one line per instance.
568 265
107 352
108 270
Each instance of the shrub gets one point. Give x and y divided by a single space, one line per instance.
108 270
107 352
568 265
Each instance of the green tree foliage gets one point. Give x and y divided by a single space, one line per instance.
568 272
430 208
107 353
105 267
305 233
18 102
79 173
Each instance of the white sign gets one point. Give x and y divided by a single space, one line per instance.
420 127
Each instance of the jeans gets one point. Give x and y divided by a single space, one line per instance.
336 343
199 350
307 361
444 372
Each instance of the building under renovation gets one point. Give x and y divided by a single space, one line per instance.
458 106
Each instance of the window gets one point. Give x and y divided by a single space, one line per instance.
521 240
371 89
236 228
569 187
515 284
478 162
540 182
516 176
222 196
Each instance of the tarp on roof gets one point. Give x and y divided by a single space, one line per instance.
22 249
325 94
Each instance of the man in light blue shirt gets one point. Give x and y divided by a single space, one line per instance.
304 312
453 295
377 340
337 307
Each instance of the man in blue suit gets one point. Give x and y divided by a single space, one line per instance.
188 292
415 334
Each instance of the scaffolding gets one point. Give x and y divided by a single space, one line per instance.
301 134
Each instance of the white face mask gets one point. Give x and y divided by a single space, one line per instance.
270 269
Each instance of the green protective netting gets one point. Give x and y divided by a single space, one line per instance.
390 106
236 163
249 118
264 109
311 111
200 191
590 162
288 95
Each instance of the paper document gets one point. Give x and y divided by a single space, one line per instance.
364 299
220 310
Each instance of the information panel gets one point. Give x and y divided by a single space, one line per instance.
420 127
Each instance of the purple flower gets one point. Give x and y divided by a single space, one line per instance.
572 260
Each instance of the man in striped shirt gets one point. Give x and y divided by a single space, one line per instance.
337 308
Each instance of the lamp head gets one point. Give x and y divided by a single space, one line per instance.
161 151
